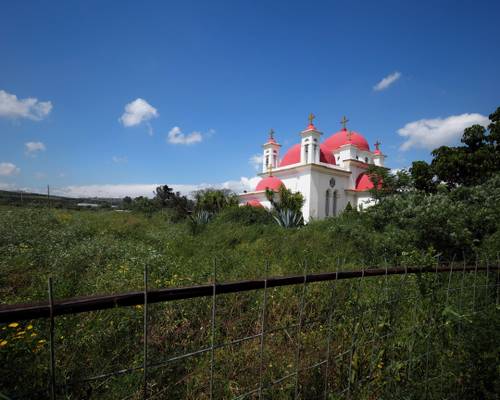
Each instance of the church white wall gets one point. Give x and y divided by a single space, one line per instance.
300 182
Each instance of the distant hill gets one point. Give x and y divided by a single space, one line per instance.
21 198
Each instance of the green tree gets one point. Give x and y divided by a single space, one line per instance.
422 177
214 200
476 161
180 206
386 183
163 195
285 199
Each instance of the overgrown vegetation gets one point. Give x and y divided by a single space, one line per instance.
376 327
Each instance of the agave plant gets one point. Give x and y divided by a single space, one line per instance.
198 220
287 218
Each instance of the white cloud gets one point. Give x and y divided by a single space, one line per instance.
387 81
138 111
175 136
8 169
119 160
432 133
256 161
135 190
32 148
31 108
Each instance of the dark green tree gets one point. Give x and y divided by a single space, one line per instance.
163 195
422 177
386 183
476 161
214 200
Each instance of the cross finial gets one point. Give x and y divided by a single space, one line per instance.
344 122
377 144
311 118
271 134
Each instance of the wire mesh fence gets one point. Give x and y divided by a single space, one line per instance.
371 333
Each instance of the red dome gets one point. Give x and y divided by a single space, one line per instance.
342 137
325 154
270 182
253 203
364 182
292 156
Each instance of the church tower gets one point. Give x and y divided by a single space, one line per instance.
309 145
378 157
271 153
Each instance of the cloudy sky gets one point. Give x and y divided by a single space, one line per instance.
113 98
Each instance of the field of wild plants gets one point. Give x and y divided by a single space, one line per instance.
414 336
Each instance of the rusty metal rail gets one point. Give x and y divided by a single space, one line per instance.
77 305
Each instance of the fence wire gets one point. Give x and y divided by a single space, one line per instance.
391 333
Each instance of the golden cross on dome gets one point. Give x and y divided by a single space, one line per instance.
377 144
311 118
344 122
271 134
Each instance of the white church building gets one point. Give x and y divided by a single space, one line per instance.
329 174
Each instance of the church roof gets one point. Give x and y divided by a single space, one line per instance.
269 182
254 203
345 136
292 156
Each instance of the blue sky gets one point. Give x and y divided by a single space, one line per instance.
224 73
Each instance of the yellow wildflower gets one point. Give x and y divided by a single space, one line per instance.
3 343
13 324
29 327
20 333
34 334
42 341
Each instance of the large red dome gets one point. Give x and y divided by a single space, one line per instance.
292 156
270 182
346 137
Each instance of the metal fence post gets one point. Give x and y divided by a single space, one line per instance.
145 333
212 340
262 333
52 344
329 333
299 330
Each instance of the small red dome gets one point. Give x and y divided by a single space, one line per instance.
292 156
377 151
269 182
253 203
342 137
363 182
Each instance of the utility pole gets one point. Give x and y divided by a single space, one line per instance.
48 195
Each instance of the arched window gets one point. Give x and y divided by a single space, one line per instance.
327 203
334 203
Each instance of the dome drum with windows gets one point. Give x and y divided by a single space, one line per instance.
330 174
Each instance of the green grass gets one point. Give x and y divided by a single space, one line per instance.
375 326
